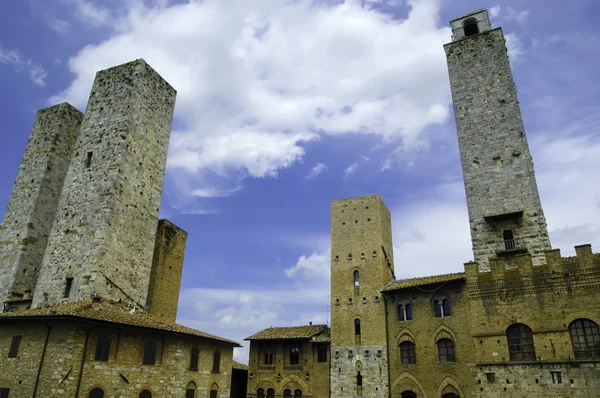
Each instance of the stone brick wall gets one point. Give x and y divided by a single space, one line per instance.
496 162
167 266
428 377
311 376
122 375
32 204
361 240
105 227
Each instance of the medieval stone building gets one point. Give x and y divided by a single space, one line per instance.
89 277
519 321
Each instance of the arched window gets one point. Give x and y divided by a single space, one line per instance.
585 338
520 342
216 361
509 240
356 278
190 390
401 314
260 393
145 394
194 358
408 311
404 312
298 393
446 350
294 356
357 327
214 391
287 393
270 393
441 307
102 348
408 353
470 26
96 393
149 353
408 394
450 395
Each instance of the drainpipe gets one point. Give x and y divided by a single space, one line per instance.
87 336
37 378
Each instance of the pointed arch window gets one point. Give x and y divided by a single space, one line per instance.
585 338
408 394
520 342
214 391
190 390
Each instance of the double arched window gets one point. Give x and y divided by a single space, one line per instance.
585 338
404 312
520 342
441 307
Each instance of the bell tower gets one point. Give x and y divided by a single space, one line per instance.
361 266
505 211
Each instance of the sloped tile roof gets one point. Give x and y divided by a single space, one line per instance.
290 332
426 280
113 313
324 337
237 365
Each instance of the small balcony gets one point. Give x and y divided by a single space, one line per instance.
510 246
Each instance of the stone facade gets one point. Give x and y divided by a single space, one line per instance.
30 211
167 266
498 173
57 358
108 210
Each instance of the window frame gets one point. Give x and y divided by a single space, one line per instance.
357 327
15 343
194 358
521 346
294 355
150 351
446 350
408 353
216 362
103 344
587 334
322 353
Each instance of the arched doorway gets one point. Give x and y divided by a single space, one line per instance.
145 394
270 393
96 393
408 394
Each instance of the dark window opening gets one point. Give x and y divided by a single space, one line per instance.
68 285
446 350
194 358
102 348
270 393
190 390
268 358
441 308
287 393
213 393
401 313
88 160
509 240
149 353
450 395
298 393
96 393
356 278
14 346
408 353
295 356
359 380
471 28
216 361
145 394
357 327
585 338
260 393
408 394
520 343
322 353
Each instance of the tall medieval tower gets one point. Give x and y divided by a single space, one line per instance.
102 240
361 265
505 212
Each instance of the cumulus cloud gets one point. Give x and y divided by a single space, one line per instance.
36 72
509 14
315 171
514 47
283 73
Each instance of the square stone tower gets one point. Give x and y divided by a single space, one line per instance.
361 266
102 240
33 200
505 212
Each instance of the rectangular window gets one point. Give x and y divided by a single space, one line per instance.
322 353
14 346
194 358
189 393
68 285
556 377
213 393
216 362
4 392
88 160
268 358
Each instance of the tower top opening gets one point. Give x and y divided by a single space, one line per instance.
470 24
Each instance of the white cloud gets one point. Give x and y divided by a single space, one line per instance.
495 11
36 72
318 169
509 14
514 47
351 169
314 267
214 192
251 95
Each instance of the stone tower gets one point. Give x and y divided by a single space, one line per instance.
32 204
505 212
361 265
102 240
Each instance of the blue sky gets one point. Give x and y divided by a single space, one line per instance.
284 106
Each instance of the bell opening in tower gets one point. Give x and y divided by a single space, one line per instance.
470 26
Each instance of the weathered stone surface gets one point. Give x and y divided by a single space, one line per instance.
167 266
496 162
30 211
104 234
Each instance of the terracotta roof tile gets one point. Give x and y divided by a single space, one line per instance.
237 365
426 280
110 312
290 332
324 337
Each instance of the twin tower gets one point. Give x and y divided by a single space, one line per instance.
82 218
